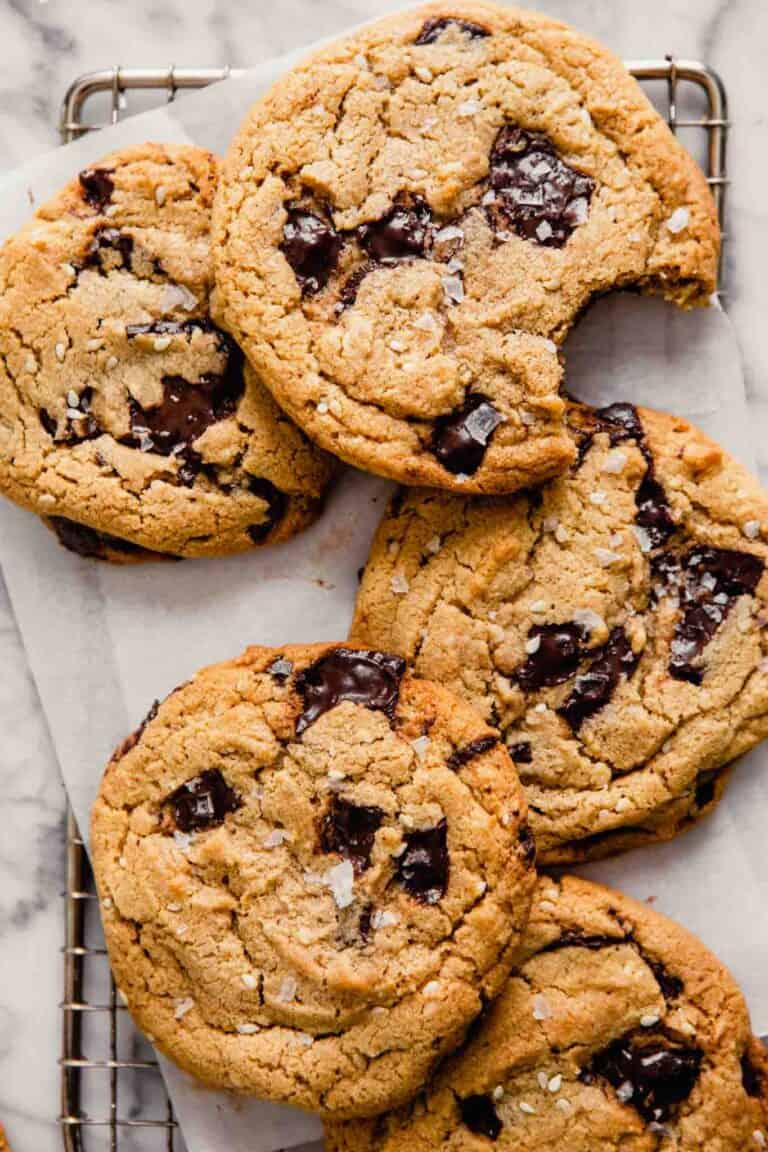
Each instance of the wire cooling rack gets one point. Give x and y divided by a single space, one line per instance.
112 1094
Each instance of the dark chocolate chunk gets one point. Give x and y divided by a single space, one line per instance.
669 985
203 801
364 923
527 844
110 248
132 740
404 233
356 674
276 502
422 868
88 542
595 687
434 28
480 1116
570 939
521 752
705 790
48 422
622 422
349 830
709 581
311 245
752 1078
97 187
653 512
469 751
351 286
535 193
661 1072
184 328
555 660
460 440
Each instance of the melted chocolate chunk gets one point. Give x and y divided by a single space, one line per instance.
276 502
364 923
570 939
752 1078
110 248
434 28
311 245
621 421
404 233
669 985
422 868
469 751
521 753
203 801
525 839
48 422
132 740
88 542
349 830
537 194
595 687
705 790
351 286
460 441
653 512
709 582
97 187
555 660
480 1116
186 328
356 674
661 1072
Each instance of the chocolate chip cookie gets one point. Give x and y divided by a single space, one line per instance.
409 223
314 869
612 624
618 1031
127 418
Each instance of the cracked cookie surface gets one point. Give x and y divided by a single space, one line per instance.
127 419
612 624
410 221
617 1031
314 869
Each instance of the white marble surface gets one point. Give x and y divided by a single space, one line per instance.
44 46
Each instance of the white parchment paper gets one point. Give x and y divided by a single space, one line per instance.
104 642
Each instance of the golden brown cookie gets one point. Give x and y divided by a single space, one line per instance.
618 1032
127 419
409 223
612 624
314 869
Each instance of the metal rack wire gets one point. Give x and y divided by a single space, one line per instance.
103 1056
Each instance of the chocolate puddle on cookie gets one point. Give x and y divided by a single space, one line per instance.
80 423
708 582
660 1073
358 675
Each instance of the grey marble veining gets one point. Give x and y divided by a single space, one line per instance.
45 45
